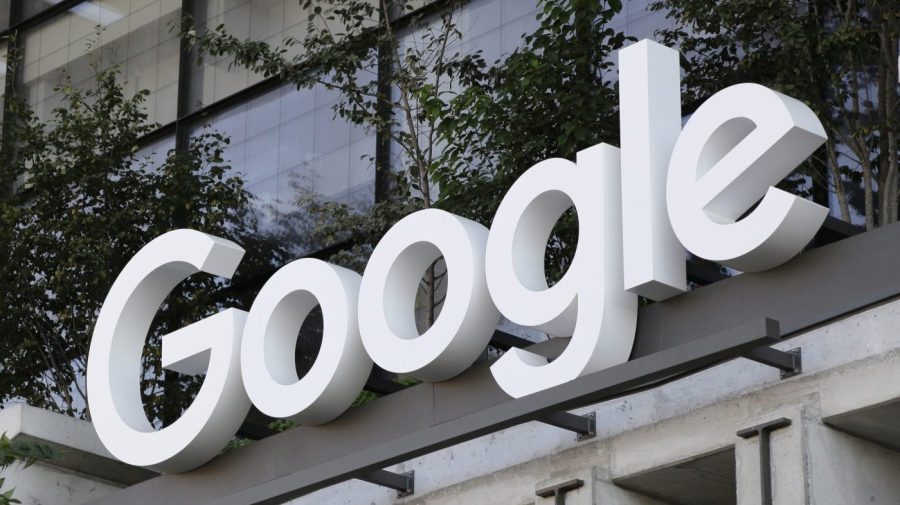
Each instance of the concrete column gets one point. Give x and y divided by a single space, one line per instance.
787 460
583 495
812 463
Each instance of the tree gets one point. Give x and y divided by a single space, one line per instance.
83 201
393 82
26 453
550 98
840 58
465 128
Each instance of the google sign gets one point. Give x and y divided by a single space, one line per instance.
667 190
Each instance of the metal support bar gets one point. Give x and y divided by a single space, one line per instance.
403 483
585 426
765 457
789 362
559 490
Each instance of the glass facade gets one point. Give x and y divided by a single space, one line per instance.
153 155
270 21
34 7
134 35
287 144
494 27
4 13
637 20
3 66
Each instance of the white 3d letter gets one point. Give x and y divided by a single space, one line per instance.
114 364
588 303
468 317
650 121
270 339
739 143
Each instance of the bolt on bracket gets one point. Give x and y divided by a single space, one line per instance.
790 362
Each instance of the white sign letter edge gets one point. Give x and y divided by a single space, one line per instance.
650 122
736 146
114 363
588 302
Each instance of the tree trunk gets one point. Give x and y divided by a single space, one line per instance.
835 170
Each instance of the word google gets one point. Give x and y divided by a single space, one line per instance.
639 207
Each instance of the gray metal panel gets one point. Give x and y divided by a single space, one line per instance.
678 335
812 288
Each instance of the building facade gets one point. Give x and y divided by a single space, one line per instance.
737 432
825 435
283 140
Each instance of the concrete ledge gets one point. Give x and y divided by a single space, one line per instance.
865 401
75 439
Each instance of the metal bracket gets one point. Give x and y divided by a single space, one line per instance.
585 426
559 490
790 362
765 458
403 483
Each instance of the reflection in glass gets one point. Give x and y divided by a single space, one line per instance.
153 156
3 63
269 21
134 35
4 14
493 27
291 150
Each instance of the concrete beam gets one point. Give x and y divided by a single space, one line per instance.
81 450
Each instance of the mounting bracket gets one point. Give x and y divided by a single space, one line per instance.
790 362
765 458
403 483
585 426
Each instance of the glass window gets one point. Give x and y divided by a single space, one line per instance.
636 19
4 14
33 7
134 34
155 153
287 145
3 63
269 21
495 27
